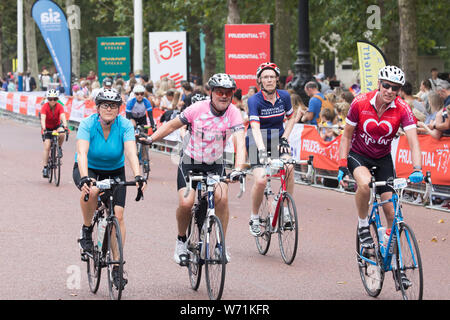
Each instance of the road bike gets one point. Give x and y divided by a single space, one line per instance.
396 250
278 212
107 251
54 158
205 236
142 150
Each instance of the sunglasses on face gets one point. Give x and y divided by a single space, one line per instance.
105 106
138 93
220 93
387 86
52 99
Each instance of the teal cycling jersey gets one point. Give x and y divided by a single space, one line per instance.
105 154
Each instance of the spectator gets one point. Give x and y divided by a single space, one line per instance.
91 76
29 82
324 87
315 103
434 80
342 110
422 95
241 106
11 85
298 105
251 91
444 91
328 131
187 94
5 84
289 77
406 94
166 100
45 79
95 90
428 126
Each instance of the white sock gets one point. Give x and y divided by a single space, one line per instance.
363 222
254 216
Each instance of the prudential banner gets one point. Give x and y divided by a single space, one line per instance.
52 22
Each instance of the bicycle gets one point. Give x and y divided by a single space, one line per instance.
143 150
205 237
399 254
273 218
54 159
108 248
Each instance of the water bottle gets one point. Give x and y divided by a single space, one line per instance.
101 232
381 232
386 238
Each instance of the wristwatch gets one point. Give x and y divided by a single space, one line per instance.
150 140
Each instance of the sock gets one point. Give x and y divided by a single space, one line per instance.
363 222
182 238
254 216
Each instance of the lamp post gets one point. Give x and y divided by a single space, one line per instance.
303 63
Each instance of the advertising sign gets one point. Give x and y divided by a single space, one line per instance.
246 47
371 60
168 56
52 23
113 57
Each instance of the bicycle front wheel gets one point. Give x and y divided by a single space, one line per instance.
51 164
263 240
114 260
409 274
193 248
57 169
94 270
215 258
370 264
288 228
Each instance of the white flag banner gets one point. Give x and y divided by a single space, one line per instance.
168 56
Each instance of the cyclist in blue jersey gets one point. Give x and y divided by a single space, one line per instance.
267 111
103 141
139 107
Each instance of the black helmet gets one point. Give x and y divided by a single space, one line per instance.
108 95
221 80
198 97
107 82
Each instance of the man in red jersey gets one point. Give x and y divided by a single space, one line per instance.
372 123
52 118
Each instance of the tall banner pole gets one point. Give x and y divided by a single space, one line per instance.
371 60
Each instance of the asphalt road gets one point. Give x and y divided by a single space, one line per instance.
40 223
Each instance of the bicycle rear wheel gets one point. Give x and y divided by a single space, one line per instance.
94 270
215 258
288 229
372 273
263 240
409 274
57 169
193 247
51 164
114 258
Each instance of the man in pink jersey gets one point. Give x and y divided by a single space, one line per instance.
210 124
372 123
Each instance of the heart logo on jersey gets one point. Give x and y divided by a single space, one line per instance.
382 128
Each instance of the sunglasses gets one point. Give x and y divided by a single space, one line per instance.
107 105
387 86
138 93
227 93
52 99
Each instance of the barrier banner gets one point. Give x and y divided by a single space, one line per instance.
246 47
52 23
435 158
371 60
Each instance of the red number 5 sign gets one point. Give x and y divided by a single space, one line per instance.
167 49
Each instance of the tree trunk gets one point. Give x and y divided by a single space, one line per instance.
210 54
30 40
408 41
282 38
233 12
1 42
74 21
390 49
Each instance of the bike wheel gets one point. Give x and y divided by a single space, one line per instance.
114 258
372 273
215 258
94 270
288 230
408 273
194 247
57 168
263 240
50 164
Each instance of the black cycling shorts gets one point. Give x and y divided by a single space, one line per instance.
121 191
48 134
187 164
385 167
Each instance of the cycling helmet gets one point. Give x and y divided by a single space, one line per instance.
198 97
52 93
108 95
392 74
138 88
267 65
107 82
221 80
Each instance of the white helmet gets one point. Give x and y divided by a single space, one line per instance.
52 93
392 74
138 88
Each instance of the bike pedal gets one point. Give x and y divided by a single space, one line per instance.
184 260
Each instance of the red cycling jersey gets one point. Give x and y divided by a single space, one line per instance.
373 135
52 119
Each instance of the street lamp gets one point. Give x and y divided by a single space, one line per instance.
303 63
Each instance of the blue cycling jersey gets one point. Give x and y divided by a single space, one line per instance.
138 109
105 154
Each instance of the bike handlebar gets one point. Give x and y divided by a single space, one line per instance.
204 178
108 184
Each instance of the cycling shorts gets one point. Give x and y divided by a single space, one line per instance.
121 191
139 120
385 167
187 164
48 134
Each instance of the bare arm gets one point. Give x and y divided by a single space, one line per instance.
240 149
167 129
346 140
82 151
131 154
256 131
289 125
413 141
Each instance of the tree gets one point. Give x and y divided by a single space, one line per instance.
282 36
30 40
233 12
408 40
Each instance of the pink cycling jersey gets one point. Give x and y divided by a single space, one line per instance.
373 135
209 132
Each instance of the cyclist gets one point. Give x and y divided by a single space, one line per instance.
371 124
210 123
267 111
103 141
52 118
